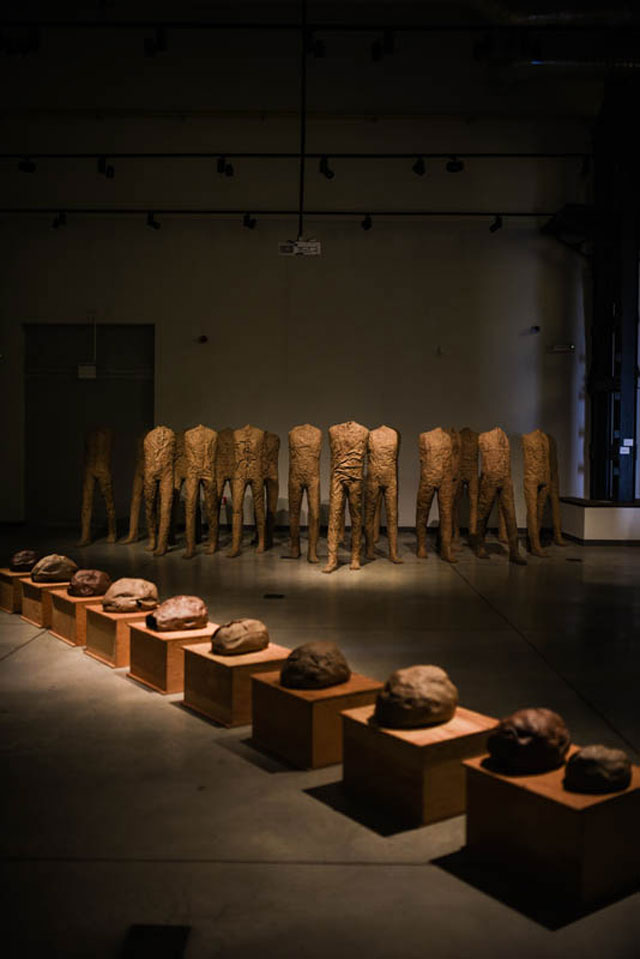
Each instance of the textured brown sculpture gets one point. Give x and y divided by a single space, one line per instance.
305 447
456 462
467 477
224 474
137 488
89 582
496 484
597 769
240 636
382 483
159 453
53 569
248 446
529 741
555 492
537 483
416 696
97 469
130 596
200 463
436 476
348 443
23 561
271 453
179 612
315 666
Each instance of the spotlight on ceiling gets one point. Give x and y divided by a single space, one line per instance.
152 222
497 224
59 220
367 223
383 47
106 169
454 165
419 167
26 165
249 221
155 44
325 169
223 167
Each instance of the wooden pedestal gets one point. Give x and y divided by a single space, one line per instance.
69 616
304 725
414 774
220 686
157 659
581 847
11 590
36 601
107 637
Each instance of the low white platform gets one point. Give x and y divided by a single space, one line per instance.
595 521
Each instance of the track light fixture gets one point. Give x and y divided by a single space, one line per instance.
26 165
367 223
383 47
325 169
497 224
223 167
59 220
106 169
155 44
454 165
419 167
152 222
249 221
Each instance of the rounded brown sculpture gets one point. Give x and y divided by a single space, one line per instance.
130 596
23 561
224 474
89 582
240 636
248 445
177 613
97 469
271 453
436 476
496 484
416 696
382 483
305 446
537 483
137 489
315 666
53 569
348 443
597 769
467 478
529 741
200 462
159 453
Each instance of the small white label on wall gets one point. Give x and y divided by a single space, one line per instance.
625 451
627 442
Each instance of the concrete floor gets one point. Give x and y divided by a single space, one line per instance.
120 807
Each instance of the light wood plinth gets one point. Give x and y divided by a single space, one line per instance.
36 601
69 616
107 637
304 726
220 686
416 775
584 848
157 659
11 590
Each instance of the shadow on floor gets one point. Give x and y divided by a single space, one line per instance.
155 942
247 749
334 796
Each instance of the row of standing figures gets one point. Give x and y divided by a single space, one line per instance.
364 471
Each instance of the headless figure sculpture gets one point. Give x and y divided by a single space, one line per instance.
248 444
436 476
271 453
496 483
555 492
537 484
136 493
159 455
305 445
467 476
382 482
200 456
224 474
348 450
97 469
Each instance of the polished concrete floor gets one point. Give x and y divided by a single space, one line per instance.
123 809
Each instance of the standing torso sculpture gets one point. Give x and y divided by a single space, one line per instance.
382 482
348 451
248 445
271 453
536 482
136 493
496 484
200 456
467 477
436 476
305 445
159 456
97 469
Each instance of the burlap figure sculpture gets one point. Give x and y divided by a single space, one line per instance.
200 459
436 476
224 474
536 482
248 446
467 477
271 453
159 455
348 443
305 446
382 483
496 484
97 469
137 489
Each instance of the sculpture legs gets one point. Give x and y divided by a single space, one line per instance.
313 501
508 509
535 497
211 513
191 505
150 493
136 502
165 492
445 506
106 488
337 497
296 491
354 492
239 487
391 508
558 538
426 493
271 486
372 508
486 496
87 504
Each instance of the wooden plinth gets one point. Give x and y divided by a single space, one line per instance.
107 637
69 616
220 686
157 659
304 725
583 848
416 775
11 590
36 601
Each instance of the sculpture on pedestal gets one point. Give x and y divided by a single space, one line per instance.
53 568
97 469
271 453
178 613
415 697
315 665
382 483
305 445
529 741
496 484
596 770
436 476
248 445
89 582
224 475
130 595
348 443
240 636
200 463
159 455
23 561
137 490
